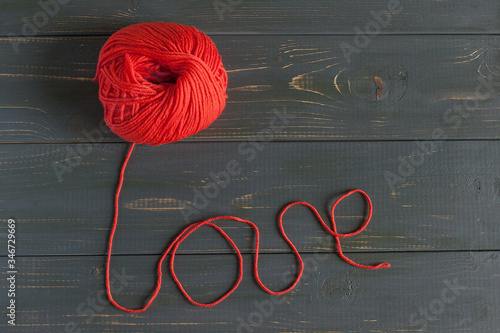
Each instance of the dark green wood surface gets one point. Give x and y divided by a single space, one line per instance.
412 118
449 202
332 297
430 81
257 16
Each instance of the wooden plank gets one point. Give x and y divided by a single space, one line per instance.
456 291
400 87
447 201
257 16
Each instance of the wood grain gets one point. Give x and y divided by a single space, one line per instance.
447 201
61 294
411 116
48 94
256 16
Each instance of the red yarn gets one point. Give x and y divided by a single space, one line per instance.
172 249
160 82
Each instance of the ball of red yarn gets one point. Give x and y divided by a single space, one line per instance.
160 82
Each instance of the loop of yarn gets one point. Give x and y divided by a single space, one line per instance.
160 82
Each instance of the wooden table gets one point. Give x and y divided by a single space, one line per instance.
399 99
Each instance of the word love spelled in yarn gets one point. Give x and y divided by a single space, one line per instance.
172 248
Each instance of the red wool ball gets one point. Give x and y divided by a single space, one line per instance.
160 82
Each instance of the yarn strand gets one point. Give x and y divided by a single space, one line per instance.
172 248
